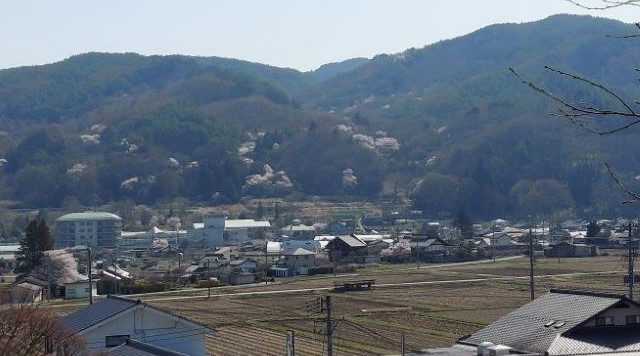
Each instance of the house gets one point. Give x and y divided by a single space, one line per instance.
377 246
8 254
562 322
25 292
241 277
345 247
112 321
298 231
567 249
299 260
428 246
244 264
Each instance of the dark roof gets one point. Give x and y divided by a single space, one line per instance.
92 314
137 348
535 326
241 261
101 310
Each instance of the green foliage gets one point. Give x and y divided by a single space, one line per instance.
37 240
541 197
436 193
471 132
464 223
593 229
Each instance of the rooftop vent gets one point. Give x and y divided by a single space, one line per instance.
559 324
483 348
499 350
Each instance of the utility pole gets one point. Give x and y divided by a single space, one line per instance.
531 285
266 261
493 241
90 277
329 326
631 262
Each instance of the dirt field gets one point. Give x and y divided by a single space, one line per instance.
371 322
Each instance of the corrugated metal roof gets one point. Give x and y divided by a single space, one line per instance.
524 329
245 223
352 241
93 215
10 248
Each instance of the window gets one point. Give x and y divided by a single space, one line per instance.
604 320
633 319
115 340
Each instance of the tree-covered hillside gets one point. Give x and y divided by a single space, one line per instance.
445 125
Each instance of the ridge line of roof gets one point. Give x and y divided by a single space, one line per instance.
588 293
140 302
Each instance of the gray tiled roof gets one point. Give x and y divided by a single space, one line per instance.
137 348
603 341
92 314
524 329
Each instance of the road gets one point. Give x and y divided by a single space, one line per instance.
219 292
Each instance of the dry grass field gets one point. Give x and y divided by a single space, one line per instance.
433 311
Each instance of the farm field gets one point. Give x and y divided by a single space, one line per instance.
440 306
371 322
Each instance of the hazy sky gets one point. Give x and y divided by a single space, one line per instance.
301 34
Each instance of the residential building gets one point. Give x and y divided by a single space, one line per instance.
561 322
299 260
345 247
428 246
93 229
112 321
8 256
567 249
25 292
298 231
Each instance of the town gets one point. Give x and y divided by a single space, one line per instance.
355 246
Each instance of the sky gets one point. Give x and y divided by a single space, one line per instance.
299 34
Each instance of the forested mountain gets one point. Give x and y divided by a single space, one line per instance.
444 125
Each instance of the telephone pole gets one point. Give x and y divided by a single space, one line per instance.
631 262
329 322
531 283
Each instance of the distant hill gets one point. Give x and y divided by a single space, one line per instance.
444 125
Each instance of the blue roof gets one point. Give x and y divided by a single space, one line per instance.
92 314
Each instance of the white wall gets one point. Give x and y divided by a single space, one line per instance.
619 314
151 326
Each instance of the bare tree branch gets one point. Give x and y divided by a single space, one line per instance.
575 112
635 198
608 4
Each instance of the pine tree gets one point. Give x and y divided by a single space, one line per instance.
37 240
260 211
464 223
